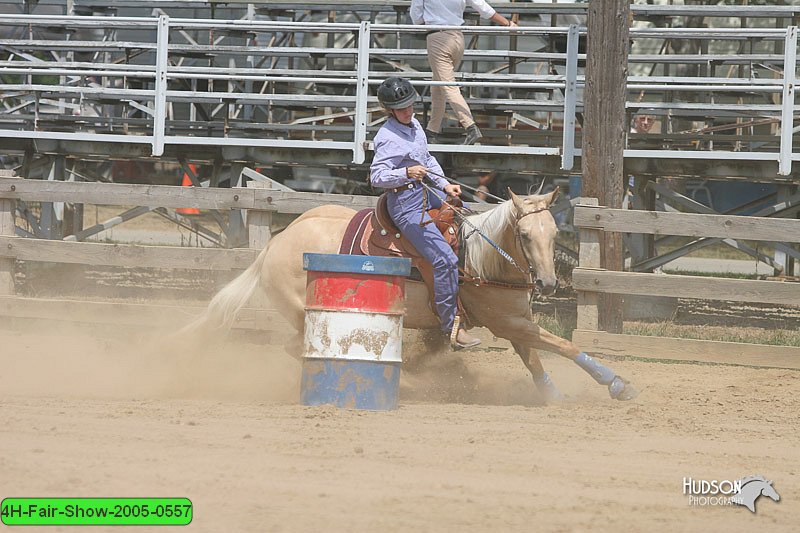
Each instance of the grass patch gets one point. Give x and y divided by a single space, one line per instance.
748 335
557 324
563 326
731 275
696 363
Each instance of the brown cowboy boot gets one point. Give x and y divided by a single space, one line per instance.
459 338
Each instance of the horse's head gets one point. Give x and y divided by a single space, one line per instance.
536 230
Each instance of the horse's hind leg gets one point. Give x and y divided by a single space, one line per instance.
530 357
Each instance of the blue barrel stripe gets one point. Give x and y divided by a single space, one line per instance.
358 264
350 384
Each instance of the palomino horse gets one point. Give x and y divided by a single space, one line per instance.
523 226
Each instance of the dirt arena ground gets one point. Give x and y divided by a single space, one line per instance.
470 448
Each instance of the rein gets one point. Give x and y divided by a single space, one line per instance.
478 281
518 286
493 244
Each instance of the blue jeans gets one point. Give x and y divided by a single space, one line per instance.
405 208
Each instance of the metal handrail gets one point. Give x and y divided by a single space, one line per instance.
362 51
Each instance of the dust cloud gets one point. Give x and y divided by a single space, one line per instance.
122 362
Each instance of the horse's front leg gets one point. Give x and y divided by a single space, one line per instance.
527 333
541 379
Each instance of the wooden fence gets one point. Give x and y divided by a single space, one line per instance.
259 203
590 281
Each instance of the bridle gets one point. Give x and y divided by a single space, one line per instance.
518 236
485 237
529 273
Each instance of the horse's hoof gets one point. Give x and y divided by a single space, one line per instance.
555 399
548 390
621 389
552 396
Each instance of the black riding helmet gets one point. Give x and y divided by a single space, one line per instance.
396 93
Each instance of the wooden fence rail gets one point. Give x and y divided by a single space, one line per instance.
127 313
171 196
590 281
126 255
702 287
688 224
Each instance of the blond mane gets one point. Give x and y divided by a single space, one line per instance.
481 259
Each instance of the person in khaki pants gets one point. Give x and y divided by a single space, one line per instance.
445 50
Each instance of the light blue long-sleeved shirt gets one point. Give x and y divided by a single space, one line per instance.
398 146
446 12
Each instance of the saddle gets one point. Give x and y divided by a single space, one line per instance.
372 232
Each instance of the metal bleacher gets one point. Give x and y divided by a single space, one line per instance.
293 83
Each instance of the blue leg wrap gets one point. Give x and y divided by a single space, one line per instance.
548 389
600 373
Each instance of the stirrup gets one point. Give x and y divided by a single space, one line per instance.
454 344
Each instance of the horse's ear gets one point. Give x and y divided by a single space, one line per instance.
552 196
517 201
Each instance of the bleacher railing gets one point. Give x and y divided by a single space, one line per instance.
161 81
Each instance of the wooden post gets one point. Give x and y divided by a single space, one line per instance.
604 129
589 257
642 245
236 229
258 222
259 233
781 258
7 229
73 212
52 212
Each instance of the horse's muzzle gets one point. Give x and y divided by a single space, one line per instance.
546 289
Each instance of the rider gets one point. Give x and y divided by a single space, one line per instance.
400 164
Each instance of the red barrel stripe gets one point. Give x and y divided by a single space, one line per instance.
355 292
